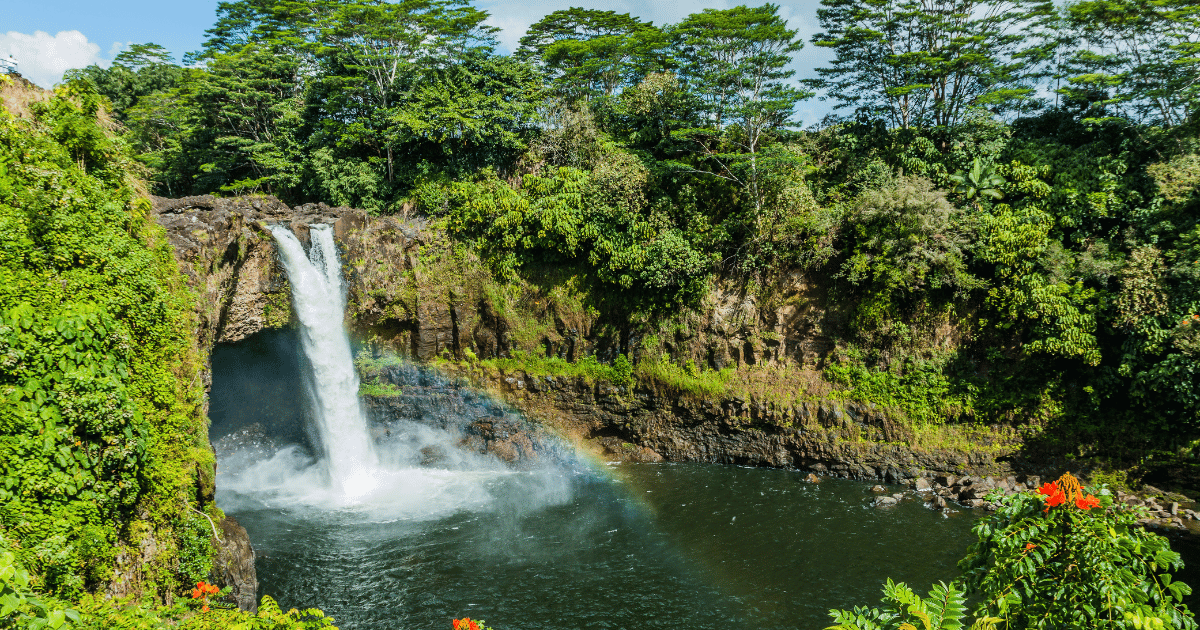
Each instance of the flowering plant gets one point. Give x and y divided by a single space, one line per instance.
202 592
1065 489
466 623
1065 557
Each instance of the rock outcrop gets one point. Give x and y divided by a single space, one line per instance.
234 564
648 423
409 291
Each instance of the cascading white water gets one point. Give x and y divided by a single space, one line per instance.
333 388
378 481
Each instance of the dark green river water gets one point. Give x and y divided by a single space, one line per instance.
635 546
573 545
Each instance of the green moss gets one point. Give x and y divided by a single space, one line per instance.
277 312
380 390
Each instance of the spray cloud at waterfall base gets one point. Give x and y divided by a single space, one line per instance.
401 469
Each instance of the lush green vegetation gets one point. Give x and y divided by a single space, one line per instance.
1002 216
1062 558
102 443
21 609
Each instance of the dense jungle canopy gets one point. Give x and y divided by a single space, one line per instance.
1020 173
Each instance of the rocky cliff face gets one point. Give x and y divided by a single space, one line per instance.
410 292
650 423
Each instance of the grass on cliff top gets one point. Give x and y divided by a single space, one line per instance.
587 368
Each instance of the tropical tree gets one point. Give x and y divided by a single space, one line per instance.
1133 57
372 53
921 63
735 62
587 52
141 70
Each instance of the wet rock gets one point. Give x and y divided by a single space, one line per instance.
922 485
233 565
878 488
884 501
431 455
812 478
946 480
936 502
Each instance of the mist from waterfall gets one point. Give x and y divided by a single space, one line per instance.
372 472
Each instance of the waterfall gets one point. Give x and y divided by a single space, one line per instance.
332 386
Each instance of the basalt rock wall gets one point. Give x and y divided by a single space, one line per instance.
409 293
650 423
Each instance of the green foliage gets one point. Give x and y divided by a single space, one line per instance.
587 367
104 614
1056 559
586 53
100 435
1050 567
928 64
982 180
922 392
20 608
572 217
686 378
1132 57
944 609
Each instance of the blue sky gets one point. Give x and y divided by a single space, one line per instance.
48 37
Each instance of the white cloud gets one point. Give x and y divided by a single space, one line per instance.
43 57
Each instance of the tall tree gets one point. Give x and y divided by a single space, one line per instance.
372 52
141 70
238 119
736 60
588 52
921 63
1134 57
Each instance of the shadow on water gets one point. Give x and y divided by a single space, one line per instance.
258 381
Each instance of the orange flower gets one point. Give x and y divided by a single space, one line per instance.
1049 489
474 626
204 608
457 624
1087 503
1029 546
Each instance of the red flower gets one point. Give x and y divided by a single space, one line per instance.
1087 502
1029 546
457 624
1054 496
474 626
204 608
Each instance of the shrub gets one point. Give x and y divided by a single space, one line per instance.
1065 557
